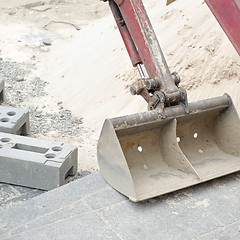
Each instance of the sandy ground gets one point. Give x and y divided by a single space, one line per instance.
78 51
28 32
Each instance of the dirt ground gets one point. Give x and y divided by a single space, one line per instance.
28 30
76 50
25 23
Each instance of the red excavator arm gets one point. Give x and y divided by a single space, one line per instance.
160 89
227 12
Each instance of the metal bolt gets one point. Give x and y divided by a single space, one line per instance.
133 90
152 84
176 78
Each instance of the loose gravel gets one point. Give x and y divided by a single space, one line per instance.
23 91
46 121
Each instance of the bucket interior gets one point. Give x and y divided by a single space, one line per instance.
169 155
155 161
211 143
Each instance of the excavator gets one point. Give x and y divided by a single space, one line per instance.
175 144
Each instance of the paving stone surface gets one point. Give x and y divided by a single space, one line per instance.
88 208
12 194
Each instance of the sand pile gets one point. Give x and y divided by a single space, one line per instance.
91 71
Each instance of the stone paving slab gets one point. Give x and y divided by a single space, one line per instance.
229 232
12 194
89 208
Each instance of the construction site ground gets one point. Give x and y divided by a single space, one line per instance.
88 208
65 62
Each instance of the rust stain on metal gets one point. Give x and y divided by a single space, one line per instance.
127 145
153 143
144 137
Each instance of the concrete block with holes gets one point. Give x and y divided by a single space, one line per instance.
14 120
35 163
2 90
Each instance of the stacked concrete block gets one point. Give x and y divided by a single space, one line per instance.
35 163
29 161
14 120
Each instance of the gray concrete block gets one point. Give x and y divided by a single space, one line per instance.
2 90
35 163
14 120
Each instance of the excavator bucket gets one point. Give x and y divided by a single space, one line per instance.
175 144
148 154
